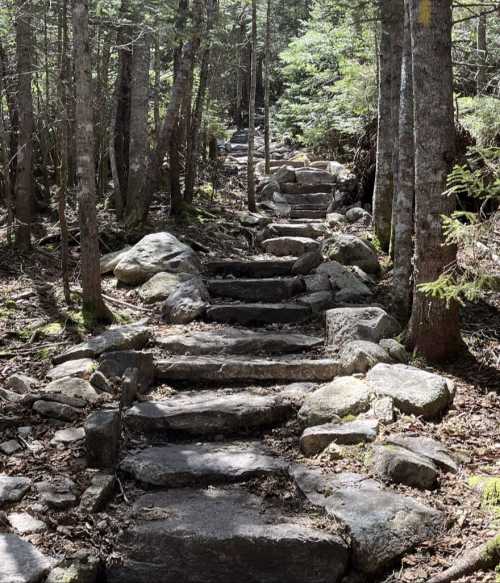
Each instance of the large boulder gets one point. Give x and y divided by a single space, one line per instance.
187 302
370 323
343 396
153 254
161 285
347 285
414 391
314 177
351 250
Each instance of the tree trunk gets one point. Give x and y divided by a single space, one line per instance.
481 77
138 144
24 173
93 307
391 12
251 113
405 194
434 326
267 84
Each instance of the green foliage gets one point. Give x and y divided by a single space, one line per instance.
481 117
475 274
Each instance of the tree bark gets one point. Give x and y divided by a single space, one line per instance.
24 172
267 86
251 113
482 48
93 307
434 327
405 194
391 12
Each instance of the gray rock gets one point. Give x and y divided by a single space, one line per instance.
368 280
98 493
335 219
315 439
100 382
355 214
284 174
58 493
427 448
358 356
68 436
253 269
344 178
351 250
248 219
129 388
82 568
188 302
114 364
75 402
344 396
314 177
348 287
21 561
161 285
129 337
236 341
370 323
110 260
295 246
24 523
102 436
175 465
307 262
272 289
317 301
317 282
277 313
81 368
311 230
382 524
74 388
268 189
6 395
383 409
55 410
20 383
156 253
401 466
396 350
414 391
13 488
224 370
10 447
210 413
206 523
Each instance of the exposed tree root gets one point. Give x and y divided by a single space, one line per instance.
486 556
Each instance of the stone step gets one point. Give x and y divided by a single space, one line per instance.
319 198
296 188
227 370
250 269
236 341
308 206
302 214
215 412
223 536
180 465
272 289
258 314
290 246
311 230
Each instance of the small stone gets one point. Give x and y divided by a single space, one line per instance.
10 447
402 466
307 262
73 387
25 430
360 355
81 368
100 382
355 214
427 448
20 383
129 387
79 569
98 493
13 488
396 350
102 434
161 286
58 493
56 410
383 409
68 436
11 396
24 523
335 219
315 439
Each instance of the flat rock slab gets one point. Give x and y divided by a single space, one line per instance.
383 524
13 488
74 388
81 368
236 341
414 391
251 269
210 413
224 370
295 246
258 313
426 447
24 523
129 337
311 230
273 289
223 536
315 439
401 466
20 561
176 466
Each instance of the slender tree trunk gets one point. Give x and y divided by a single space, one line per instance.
4 149
405 194
267 87
24 172
157 83
93 307
388 114
481 77
434 327
138 146
251 114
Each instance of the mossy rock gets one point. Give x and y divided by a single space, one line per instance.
489 487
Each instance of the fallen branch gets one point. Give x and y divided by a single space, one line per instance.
126 304
482 558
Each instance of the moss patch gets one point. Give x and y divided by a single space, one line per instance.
489 486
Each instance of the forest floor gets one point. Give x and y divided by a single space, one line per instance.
35 324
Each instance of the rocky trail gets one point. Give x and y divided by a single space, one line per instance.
268 442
